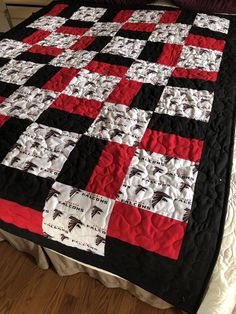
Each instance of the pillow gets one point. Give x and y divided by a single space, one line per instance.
217 6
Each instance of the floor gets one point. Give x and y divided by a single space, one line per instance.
26 289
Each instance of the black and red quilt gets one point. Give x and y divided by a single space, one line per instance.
116 135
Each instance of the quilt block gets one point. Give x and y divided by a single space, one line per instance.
113 124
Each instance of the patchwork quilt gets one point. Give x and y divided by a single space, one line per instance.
116 137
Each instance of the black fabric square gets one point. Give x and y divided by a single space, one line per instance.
113 59
42 76
181 126
109 15
151 51
69 11
186 17
65 121
24 32
14 183
133 34
9 134
35 57
206 32
77 23
99 43
191 83
6 89
81 162
3 61
147 97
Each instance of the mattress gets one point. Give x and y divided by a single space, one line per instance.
116 176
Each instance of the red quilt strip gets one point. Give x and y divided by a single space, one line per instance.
111 169
21 216
3 119
58 8
37 36
124 92
82 106
205 42
45 50
148 230
195 74
106 68
172 145
60 80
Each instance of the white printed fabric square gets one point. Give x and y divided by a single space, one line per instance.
214 23
186 102
27 102
10 48
59 40
200 58
125 47
73 59
18 71
91 85
170 33
148 72
146 16
120 124
160 184
104 29
48 23
88 14
41 150
77 218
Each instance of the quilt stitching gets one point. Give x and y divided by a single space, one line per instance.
120 66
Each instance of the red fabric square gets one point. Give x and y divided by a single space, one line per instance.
170 54
106 68
169 17
71 30
111 169
2 99
82 106
46 50
58 8
124 92
21 216
172 145
36 37
3 119
141 27
61 79
195 74
205 42
123 16
146 229
83 43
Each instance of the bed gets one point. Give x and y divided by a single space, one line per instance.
220 296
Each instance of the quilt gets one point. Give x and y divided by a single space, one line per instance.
116 140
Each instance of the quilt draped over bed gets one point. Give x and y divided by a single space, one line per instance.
116 137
